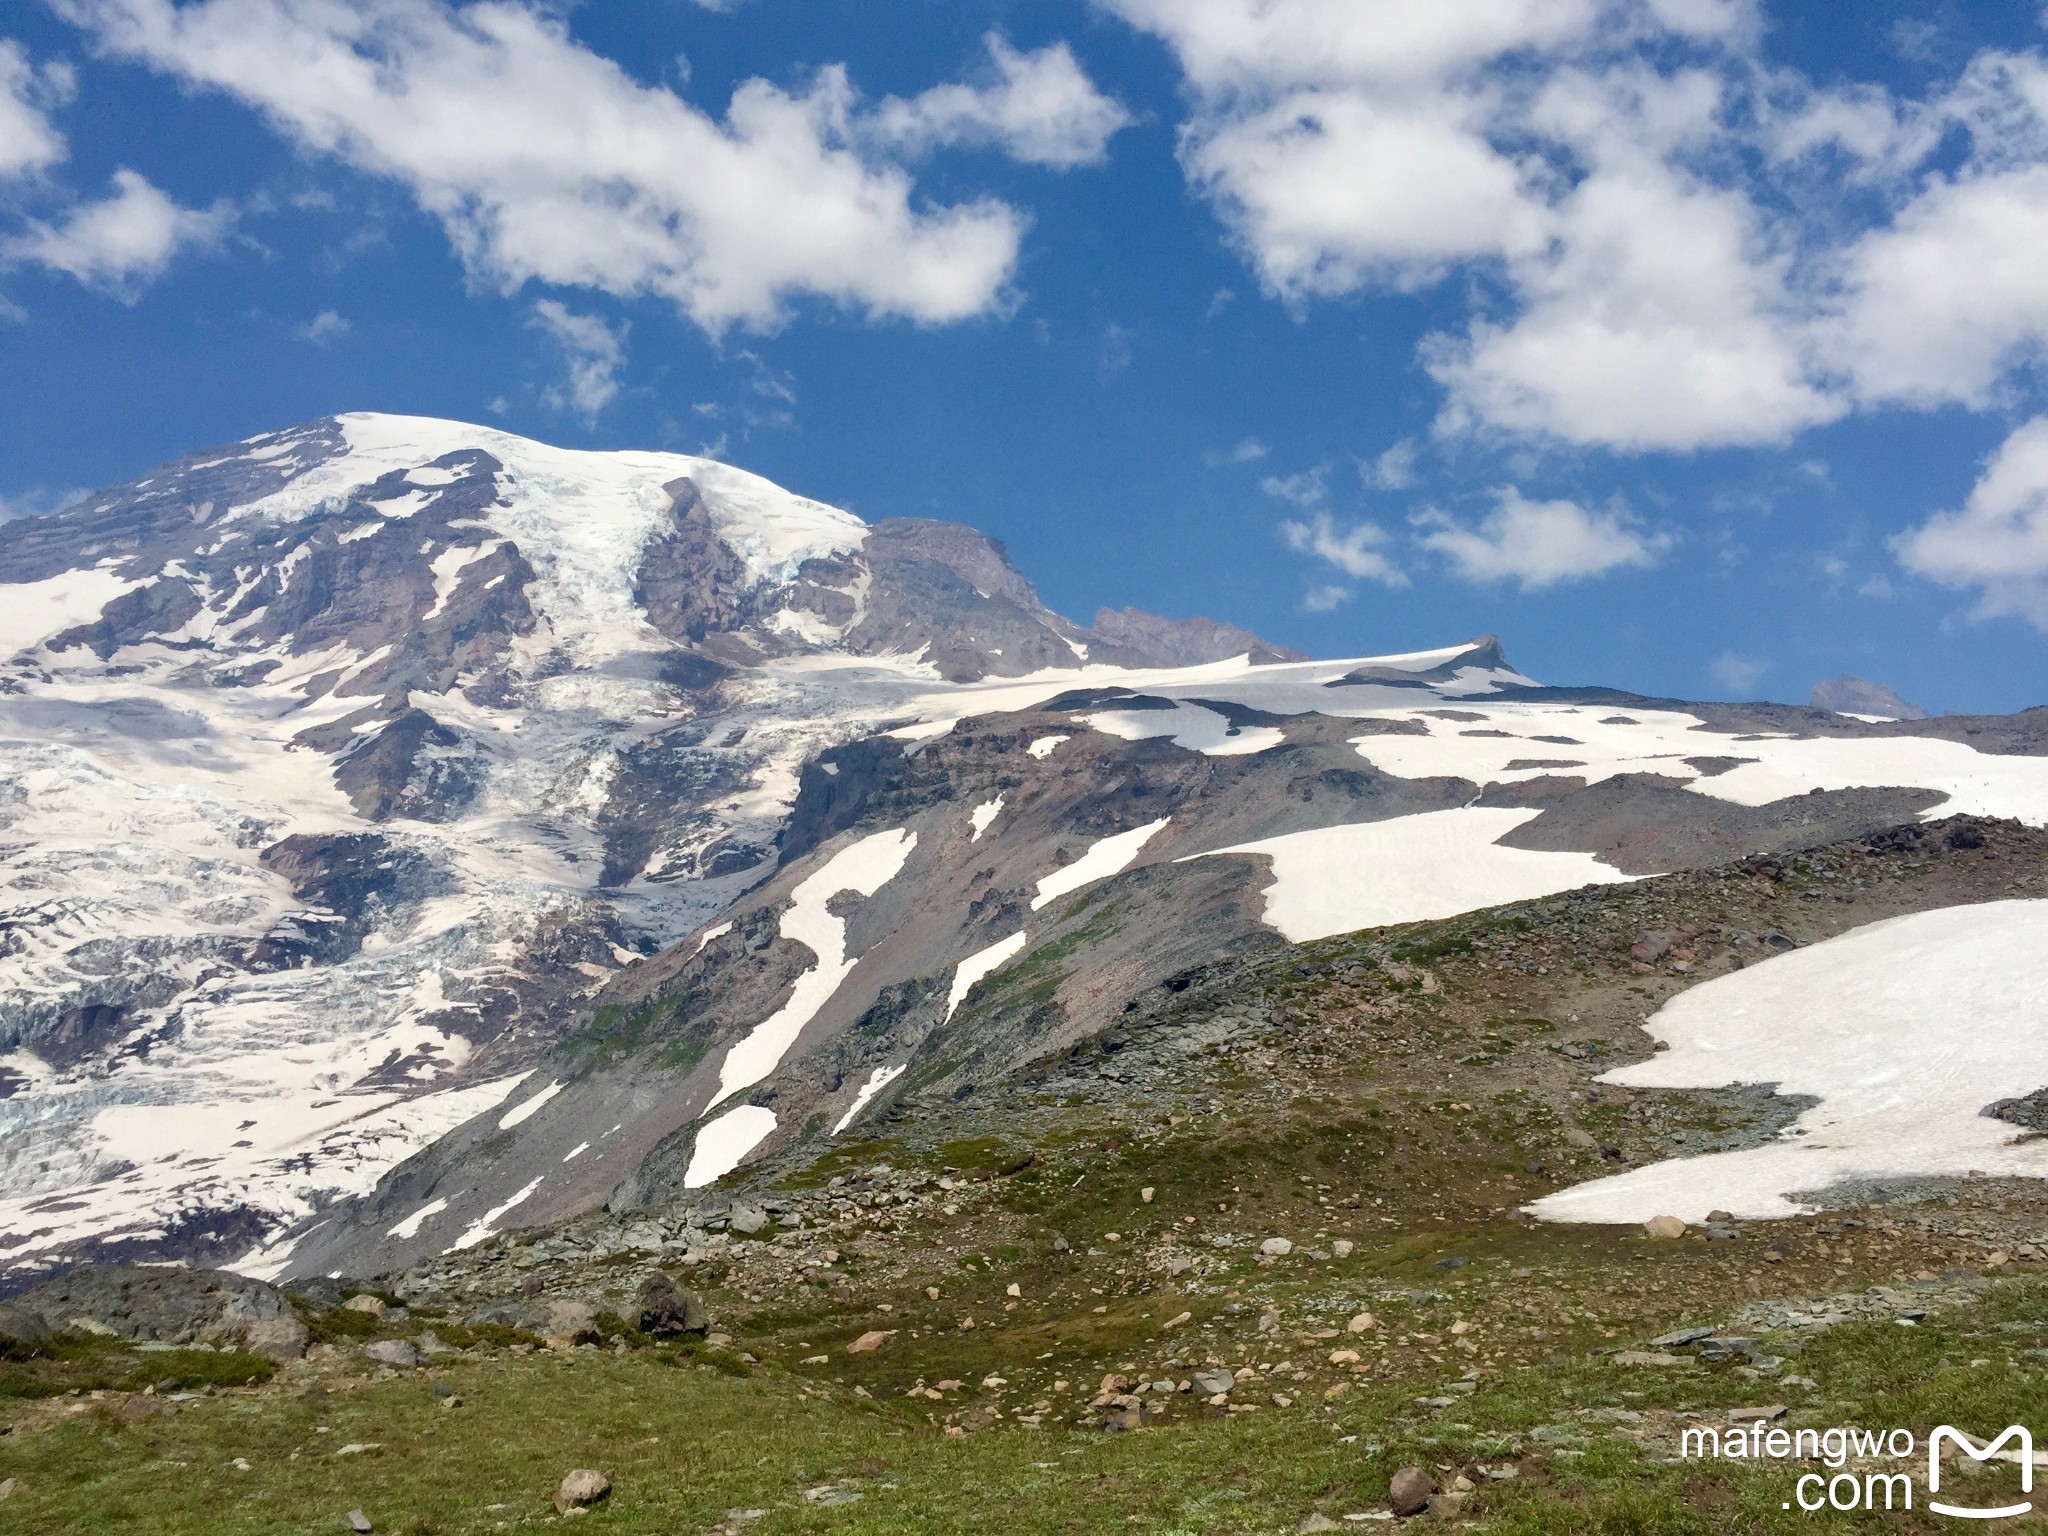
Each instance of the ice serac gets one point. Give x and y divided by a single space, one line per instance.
409 830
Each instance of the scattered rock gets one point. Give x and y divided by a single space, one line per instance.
1749 1415
1664 1227
1276 1247
666 1309
397 1352
359 1522
868 1342
1647 1357
1210 1383
276 1338
1721 1218
1364 1322
373 1305
581 1489
1681 1338
1410 1491
1147 1193
1343 1247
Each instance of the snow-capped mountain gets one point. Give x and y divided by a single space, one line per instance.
411 830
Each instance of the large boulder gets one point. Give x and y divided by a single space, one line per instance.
165 1305
666 1309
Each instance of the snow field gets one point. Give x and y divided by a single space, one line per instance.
1600 741
1905 1030
32 611
1409 869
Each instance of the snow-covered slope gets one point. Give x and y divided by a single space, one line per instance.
352 775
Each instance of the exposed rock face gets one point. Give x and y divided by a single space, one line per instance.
1859 696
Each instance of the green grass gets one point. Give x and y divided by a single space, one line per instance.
686 1436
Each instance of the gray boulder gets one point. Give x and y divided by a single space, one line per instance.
666 1309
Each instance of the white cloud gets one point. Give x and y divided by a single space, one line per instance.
1040 108
1355 552
1393 470
1943 302
547 162
593 351
1735 673
1326 599
1538 543
328 325
28 141
1668 243
1998 541
122 243
1328 191
1310 488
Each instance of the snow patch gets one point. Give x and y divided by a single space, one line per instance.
1905 1030
982 815
1409 869
410 1227
1191 726
1045 746
487 1223
864 867
723 1143
878 1079
1109 856
978 965
525 1110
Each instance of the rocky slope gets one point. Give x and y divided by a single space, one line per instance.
414 832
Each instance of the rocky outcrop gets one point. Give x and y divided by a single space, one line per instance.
162 1305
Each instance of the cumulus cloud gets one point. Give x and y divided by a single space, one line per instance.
1041 108
593 351
122 243
547 162
1538 543
29 142
1997 542
1667 242
1356 551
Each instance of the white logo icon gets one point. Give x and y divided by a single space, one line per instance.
1969 1448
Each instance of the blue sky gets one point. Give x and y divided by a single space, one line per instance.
1692 345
